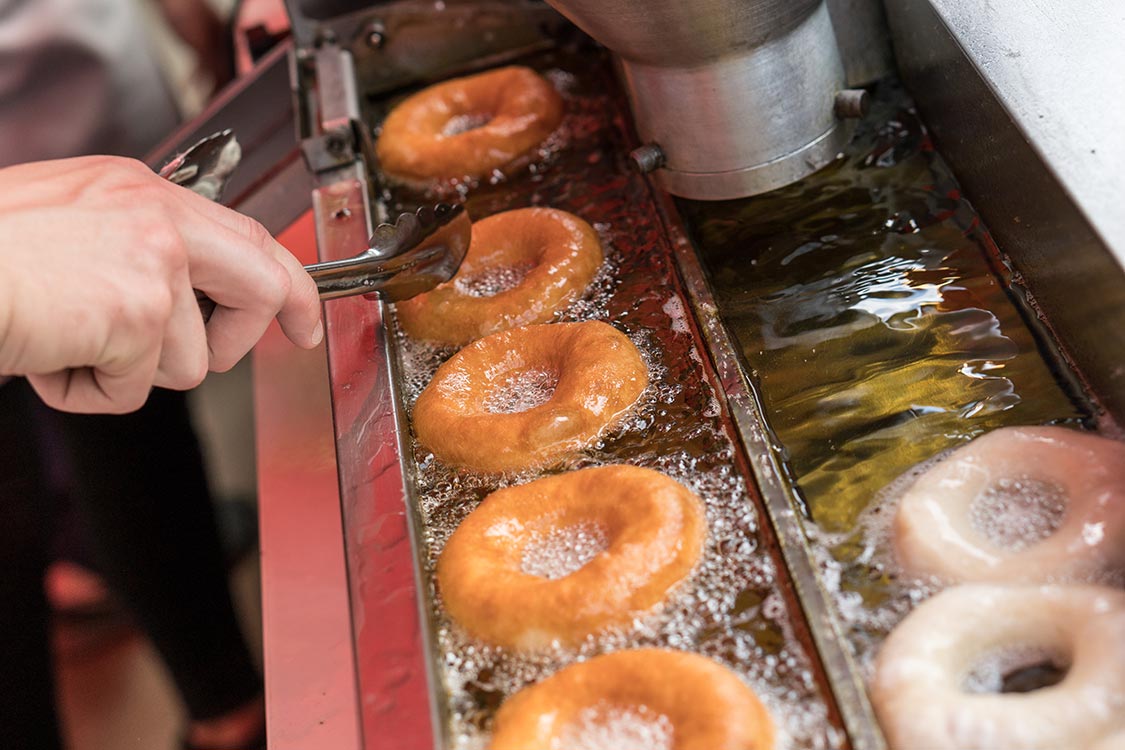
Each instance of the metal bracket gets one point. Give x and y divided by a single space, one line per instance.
328 151
330 129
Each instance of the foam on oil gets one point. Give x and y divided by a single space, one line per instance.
611 728
562 551
1016 512
520 391
493 281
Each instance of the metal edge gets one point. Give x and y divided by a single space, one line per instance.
439 691
839 666
759 178
381 562
389 635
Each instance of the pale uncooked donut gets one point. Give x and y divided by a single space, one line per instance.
934 534
918 689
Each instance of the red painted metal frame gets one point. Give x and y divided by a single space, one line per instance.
345 665
309 657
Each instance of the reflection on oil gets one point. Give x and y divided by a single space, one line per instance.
874 317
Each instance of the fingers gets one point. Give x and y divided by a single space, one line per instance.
303 303
250 251
117 388
184 358
248 288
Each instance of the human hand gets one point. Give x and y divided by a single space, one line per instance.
99 260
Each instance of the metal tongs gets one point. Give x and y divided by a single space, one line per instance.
403 259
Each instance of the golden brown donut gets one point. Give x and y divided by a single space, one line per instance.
558 252
508 578
528 396
687 701
468 127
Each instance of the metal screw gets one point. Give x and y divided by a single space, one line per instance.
647 158
342 214
852 103
335 144
375 34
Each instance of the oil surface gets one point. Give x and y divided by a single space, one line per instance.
880 328
731 608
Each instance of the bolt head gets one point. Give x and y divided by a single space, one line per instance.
647 158
375 35
852 103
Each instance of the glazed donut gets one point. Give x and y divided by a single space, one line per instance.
566 556
1065 496
529 396
558 253
650 698
468 127
923 673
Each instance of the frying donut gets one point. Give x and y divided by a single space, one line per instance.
924 692
652 698
563 557
558 252
468 127
529 396
1068 491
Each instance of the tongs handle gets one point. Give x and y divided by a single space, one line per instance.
413 255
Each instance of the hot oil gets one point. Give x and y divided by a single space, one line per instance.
731 608
880 328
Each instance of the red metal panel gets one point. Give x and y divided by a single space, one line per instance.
309 658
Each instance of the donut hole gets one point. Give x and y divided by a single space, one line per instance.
1033 677
1014 513
558 552
492 281
607 727
1017 669
521 390
463 123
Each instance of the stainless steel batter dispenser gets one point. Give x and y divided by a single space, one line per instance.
731 97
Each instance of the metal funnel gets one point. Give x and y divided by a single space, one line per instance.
738 95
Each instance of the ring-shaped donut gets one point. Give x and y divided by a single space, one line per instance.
492 407
642 532
556 253
687 701
935 532
919 688
469 127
